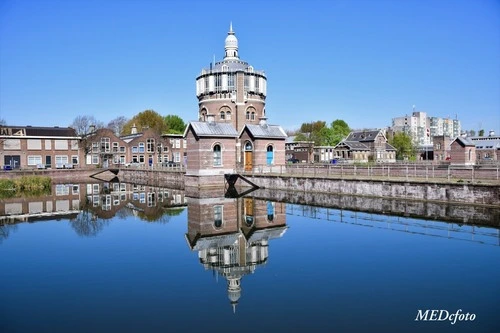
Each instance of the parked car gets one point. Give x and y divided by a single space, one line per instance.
171 164
7 167
133 164
293 160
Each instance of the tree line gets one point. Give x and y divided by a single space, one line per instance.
169 124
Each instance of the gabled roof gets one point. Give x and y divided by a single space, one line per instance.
265 131
464 141
389 147
363 136
204 128
37 131
353 145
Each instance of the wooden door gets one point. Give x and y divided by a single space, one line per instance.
248 161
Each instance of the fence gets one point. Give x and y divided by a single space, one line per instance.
415 172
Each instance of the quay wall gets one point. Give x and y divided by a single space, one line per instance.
466 193
429 210
480 194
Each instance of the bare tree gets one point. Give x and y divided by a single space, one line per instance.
117 125
3 122
83 124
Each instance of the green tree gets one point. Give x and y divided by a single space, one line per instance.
175 124
405 149
144 120
339 131
481 132
313 131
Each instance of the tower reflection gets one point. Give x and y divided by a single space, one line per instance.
232 235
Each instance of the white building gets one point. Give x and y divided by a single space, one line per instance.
423 128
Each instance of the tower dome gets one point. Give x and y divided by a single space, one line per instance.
231 44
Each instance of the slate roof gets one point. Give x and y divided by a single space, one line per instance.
464 141
204 128
486 142
354 145
265 131
363 136
38 131
389 147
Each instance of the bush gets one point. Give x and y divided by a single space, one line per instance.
25 185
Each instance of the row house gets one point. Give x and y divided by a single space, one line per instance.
39 147
104 148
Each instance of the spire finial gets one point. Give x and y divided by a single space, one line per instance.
231 27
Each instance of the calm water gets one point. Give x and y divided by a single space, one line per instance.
152 260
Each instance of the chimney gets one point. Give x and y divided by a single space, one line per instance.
133 130
211 118
263 121
91 128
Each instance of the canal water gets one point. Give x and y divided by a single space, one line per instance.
128 258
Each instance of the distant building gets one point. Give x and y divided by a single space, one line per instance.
299 151
39 147
422 128
441 147
366 145
462 151
487 147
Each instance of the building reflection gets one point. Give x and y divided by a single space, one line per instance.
232 235
88 206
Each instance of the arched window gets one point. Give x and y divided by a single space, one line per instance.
218 216
248 146
217 155
225 113
270 212
250 113
203 114
270 155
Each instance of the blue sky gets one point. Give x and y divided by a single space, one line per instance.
364 61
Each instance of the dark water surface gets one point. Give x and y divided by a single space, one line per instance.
243 265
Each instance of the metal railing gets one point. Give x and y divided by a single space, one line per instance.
403 172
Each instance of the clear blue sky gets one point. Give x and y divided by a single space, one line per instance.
362 61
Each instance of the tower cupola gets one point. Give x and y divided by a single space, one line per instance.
231 44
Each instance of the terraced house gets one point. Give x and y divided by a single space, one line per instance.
39 147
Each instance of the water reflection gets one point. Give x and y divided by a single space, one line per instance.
232 235
90 206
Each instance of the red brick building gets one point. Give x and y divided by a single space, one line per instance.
39 147
462 151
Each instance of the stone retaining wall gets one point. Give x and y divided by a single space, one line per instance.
453 193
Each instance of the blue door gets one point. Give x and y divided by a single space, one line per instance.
270 155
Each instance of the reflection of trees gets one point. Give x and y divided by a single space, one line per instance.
159 214
86 224
5 231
